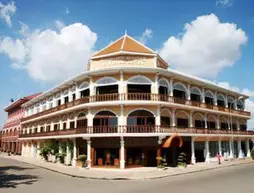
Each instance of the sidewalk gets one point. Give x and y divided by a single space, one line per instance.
128 174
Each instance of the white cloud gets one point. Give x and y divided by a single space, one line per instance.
249 103
49 55
225 3
148 33
59 24
7 11
205 48
67 11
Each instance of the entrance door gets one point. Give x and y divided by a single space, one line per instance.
151 158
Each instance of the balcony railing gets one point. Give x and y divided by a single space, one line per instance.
134 97
134 129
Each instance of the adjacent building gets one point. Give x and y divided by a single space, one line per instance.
11 129
130 107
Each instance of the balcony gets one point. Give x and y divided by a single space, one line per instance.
135 97
134 129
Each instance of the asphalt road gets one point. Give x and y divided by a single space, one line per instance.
24 178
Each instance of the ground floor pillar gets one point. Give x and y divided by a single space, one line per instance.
74 159
68 154
88 153
38 150
193 158
231 149
240 152
247 144
122 154
207 158
219 146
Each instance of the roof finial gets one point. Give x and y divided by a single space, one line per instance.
125 32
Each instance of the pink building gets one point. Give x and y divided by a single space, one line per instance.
11 129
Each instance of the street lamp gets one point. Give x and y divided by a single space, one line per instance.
231 126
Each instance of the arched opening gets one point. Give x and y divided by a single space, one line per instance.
81 120
240 105
223 123
234 124
106 85
182 119
165 118
209 98
104 119
139 84
163 86
211 122
84 90
198 120
195 94
243 125
179 91
231 103
140 121
221 100
56 122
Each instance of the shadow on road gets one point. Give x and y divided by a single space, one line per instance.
12 176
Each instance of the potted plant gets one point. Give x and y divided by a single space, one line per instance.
60 157
161 163
252 153
44 152
181 161
82 159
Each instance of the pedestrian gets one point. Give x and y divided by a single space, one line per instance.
219 157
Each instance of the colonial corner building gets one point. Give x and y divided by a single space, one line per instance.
11 129
130 107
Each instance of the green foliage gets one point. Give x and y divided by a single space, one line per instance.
163 162
62 146
44 152
60 156
53 146
82 158
182 160
252 153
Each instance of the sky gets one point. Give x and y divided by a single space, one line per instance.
45 42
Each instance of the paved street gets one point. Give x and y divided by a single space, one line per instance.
20 177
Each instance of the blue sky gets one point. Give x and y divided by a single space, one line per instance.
33 36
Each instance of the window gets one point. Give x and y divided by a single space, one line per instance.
73 96
66 99
72 124
84 93
56 127
59 102
64 126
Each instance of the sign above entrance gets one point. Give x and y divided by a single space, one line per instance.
122 61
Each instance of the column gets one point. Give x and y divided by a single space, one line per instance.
121 120
38 150
193 158
215 98
122 154
171 87
219 146
206 121
158 119
188 92
23 149
77 93
231 152
68 154
191 119
240 152
89 121
173 117
121 86
247 143
91 87
74 159
156 85
88 153
218 122
207 158
203 95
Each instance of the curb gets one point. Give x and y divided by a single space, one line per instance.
130 178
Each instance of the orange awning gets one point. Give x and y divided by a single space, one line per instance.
167 143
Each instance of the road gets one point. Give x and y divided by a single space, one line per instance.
22 178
